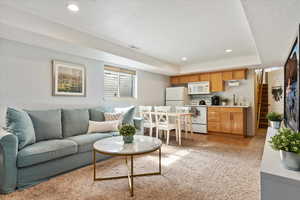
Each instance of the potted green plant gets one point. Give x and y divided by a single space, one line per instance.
127 131
287 142
275 119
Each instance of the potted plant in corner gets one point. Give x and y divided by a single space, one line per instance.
275 119
287 142
127 131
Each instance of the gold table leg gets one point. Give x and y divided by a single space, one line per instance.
130 171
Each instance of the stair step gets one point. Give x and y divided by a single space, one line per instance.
265 123
263 126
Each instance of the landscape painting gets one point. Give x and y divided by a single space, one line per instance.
291 88
68 79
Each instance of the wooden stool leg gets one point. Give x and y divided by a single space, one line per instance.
186 126
168 137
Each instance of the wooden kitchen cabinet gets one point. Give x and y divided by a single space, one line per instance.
174 80
227 75
213 127
183 79
193 78
239 74
238 122
216 78
213 115
204 77
231 120
216 82
225 121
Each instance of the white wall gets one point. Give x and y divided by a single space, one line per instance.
275 79
26 80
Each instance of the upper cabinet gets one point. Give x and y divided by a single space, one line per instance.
204 77
194 78
216 78
227 75
174 80
183 79
216 82
239 74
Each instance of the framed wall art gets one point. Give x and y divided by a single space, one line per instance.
69 79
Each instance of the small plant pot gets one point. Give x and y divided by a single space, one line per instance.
128 139
275 124
290 160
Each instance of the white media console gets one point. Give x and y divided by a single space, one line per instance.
277 183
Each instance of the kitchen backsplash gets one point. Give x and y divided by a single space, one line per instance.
242 94
196 98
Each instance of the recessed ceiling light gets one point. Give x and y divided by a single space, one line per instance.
184 58
73 6
228 50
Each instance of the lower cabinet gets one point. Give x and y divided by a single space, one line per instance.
227 120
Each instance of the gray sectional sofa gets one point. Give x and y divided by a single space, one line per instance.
59 144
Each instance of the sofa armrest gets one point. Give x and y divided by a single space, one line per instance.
139 124
8 161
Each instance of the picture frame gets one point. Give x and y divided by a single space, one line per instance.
68 79
291 87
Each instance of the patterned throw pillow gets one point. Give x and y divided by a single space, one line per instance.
113 116
128 114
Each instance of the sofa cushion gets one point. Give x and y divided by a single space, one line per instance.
128 114
97 114
20 124
85 142
47 124
75 122
44 151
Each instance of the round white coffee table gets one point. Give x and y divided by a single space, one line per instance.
115 146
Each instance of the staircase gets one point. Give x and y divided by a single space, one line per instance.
263 122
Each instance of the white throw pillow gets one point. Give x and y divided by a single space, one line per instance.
113 116
106 126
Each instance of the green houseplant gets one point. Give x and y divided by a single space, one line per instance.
275 119
287 142
127 131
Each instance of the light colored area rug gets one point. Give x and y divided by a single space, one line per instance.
205 168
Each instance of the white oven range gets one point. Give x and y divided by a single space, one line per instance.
199 118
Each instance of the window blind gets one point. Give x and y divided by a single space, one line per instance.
119 82
111 86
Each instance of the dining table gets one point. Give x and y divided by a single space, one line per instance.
179 118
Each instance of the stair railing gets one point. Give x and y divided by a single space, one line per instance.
260 79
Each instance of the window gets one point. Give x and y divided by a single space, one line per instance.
119 82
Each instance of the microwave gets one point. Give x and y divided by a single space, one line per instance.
199 88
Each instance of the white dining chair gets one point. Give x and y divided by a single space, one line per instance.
163 122
185 121
145 114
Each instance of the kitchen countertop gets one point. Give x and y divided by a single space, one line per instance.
230 106
227 106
